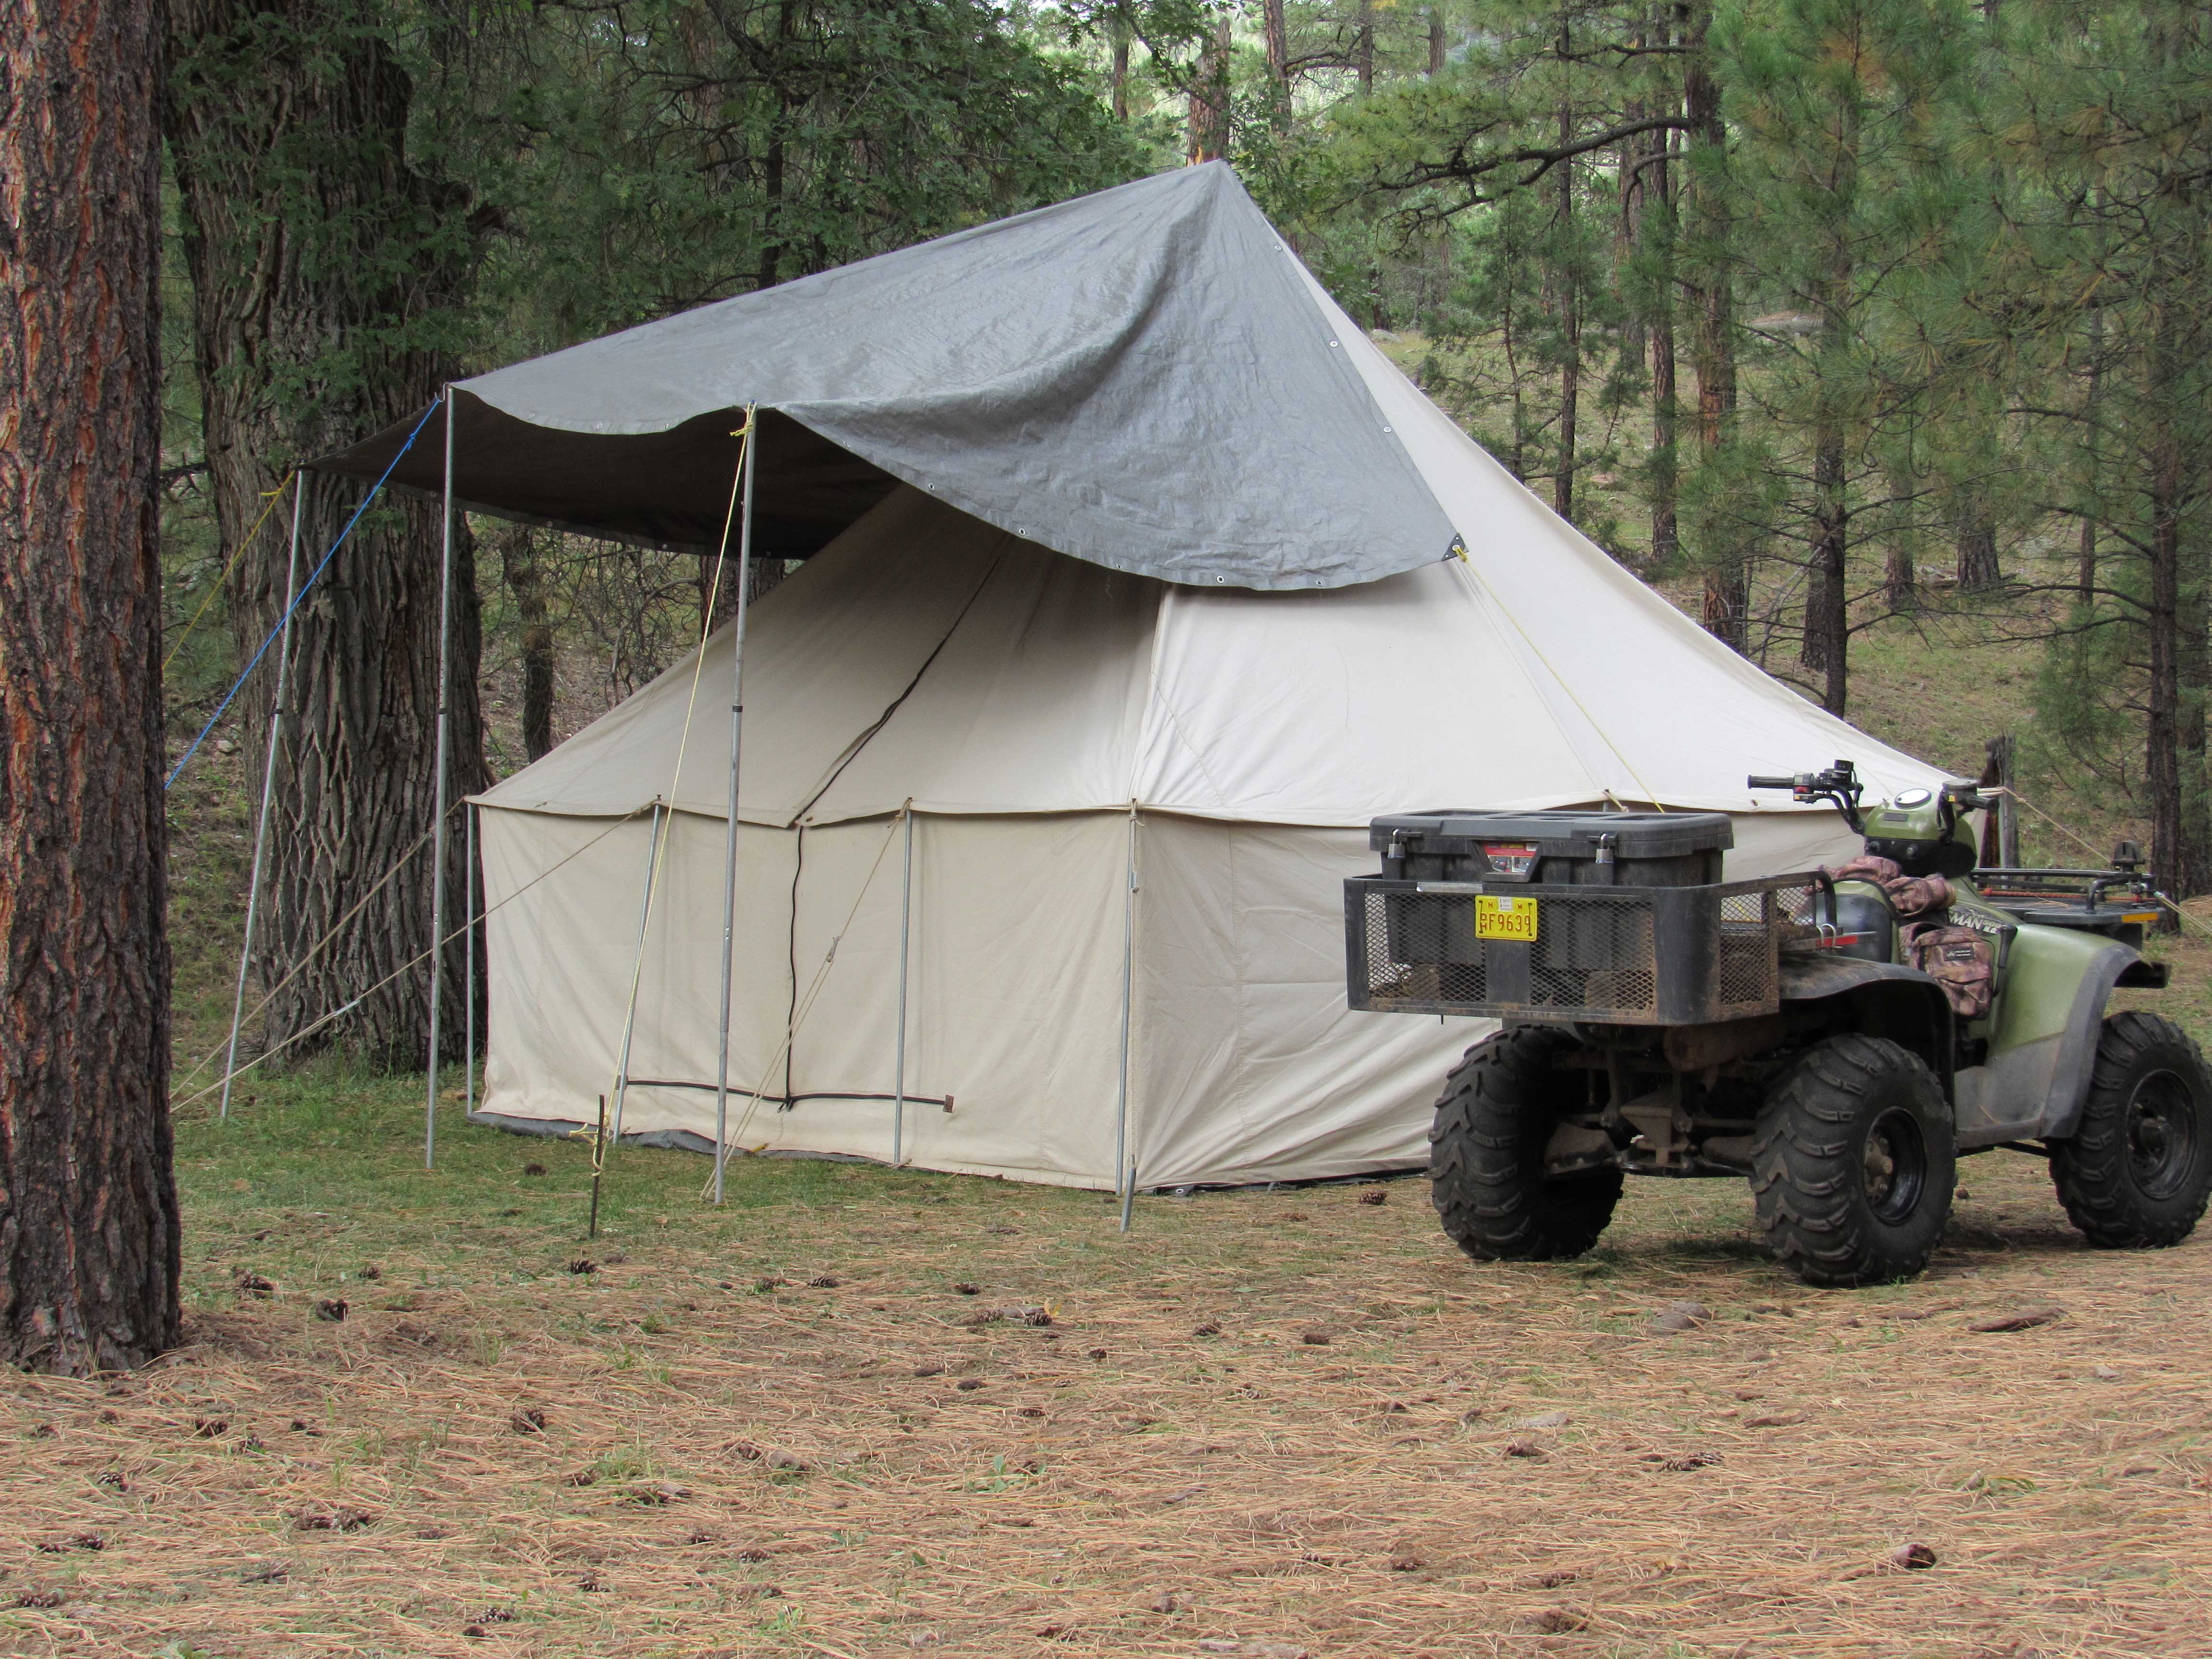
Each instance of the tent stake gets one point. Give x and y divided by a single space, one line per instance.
1125 1163
599 1164
906 913
468 993
268 783
438 848
730 842
629 1015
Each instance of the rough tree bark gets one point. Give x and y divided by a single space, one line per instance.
1209 97
1727 601
1977 542
1827 645
526 582
1363 45
1275 34
1436 40
1571 317
89 1233
1666 537
1118 79
321 263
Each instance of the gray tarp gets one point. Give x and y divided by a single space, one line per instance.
1142 378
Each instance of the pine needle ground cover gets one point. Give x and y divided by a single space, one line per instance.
867 1412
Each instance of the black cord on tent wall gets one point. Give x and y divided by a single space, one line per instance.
853 750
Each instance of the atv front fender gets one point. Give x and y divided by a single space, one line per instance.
1880 999
2050 1017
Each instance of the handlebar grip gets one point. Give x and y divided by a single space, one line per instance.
1771 783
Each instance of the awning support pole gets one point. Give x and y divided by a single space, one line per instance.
1125 1163
469 995
730 841
906 913
438 829
629 1015
268 783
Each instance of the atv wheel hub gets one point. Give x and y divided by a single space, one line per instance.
1894 1170
2161 1134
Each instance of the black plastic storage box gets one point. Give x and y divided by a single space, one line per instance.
1570 848
1566 915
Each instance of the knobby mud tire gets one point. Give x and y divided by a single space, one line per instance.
2121 1196
1486 1158
1830 1216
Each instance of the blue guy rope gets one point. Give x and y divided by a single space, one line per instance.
301 598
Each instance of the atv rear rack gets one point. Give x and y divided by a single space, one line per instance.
1630 955
2117 903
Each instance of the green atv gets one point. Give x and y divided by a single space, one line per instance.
1841 1038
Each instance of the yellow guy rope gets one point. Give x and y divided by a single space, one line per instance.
1507 613
744 436
216 586
309 1028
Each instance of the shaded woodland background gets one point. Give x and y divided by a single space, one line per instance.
1870 330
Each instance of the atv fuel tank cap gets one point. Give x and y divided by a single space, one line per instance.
1913 798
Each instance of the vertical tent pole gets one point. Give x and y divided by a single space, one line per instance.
438 828
1125 1163
906 913
268 782
469 995
644 920
730 843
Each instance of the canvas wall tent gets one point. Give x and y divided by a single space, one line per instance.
1060 708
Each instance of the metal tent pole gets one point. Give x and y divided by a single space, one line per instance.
438 829
906 914
468 993
1125 1163
637 975
268 783
730 843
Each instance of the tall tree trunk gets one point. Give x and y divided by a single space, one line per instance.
1118 82
1570 318
2193 669
1209 97
772 166
2094 482
89 1230
1661 474
1900 582
1977 542
1362 45
1275 30
1827 626
1726 600
1435 39
525 582
2162 729
322 268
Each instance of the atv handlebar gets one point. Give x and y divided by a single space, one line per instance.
1839 783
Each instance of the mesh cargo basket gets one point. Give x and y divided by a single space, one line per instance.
1638 956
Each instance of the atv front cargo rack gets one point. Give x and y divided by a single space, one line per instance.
1630 955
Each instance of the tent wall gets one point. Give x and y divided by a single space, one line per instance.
1014 992
1250 1065
1246 1064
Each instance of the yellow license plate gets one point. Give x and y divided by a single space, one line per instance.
1504 918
